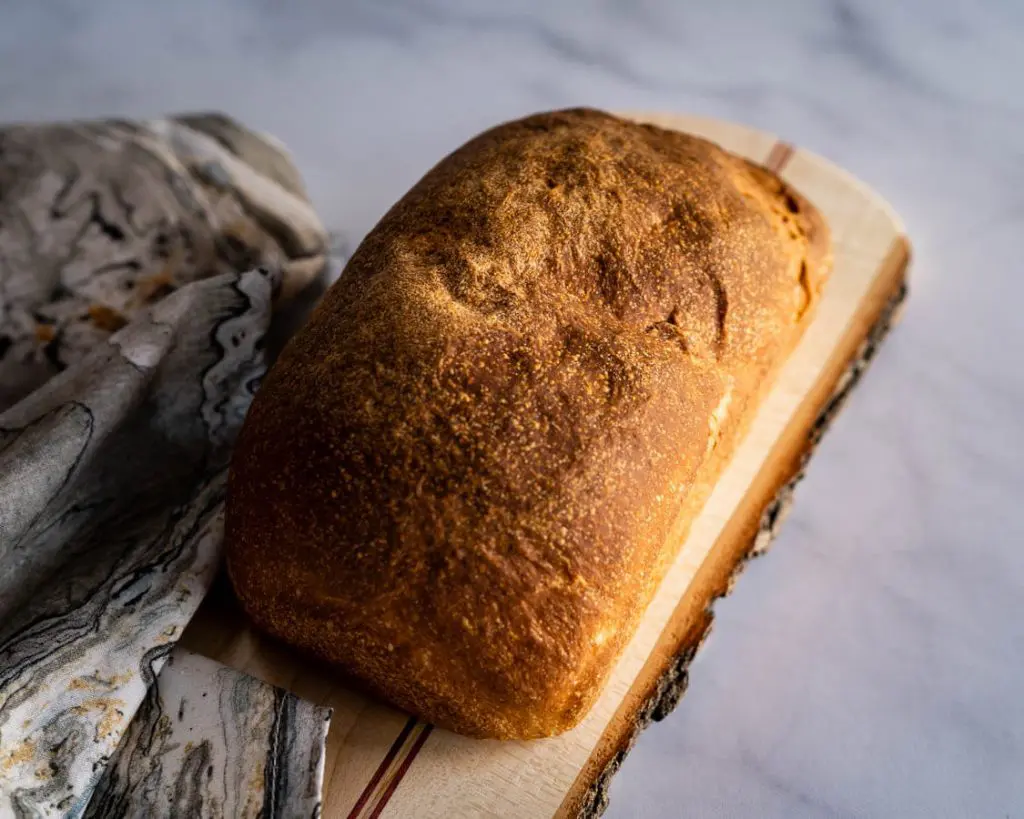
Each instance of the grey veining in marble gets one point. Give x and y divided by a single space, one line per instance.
212 742
872 663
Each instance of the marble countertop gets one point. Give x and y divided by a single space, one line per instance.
873 664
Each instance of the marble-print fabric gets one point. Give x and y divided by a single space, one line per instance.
99 220
210 742
112 478
131 344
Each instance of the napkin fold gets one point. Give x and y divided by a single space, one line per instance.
101 219
119 404
213 742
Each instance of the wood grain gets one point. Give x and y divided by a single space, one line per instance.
383 763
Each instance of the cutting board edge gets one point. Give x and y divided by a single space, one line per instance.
664 679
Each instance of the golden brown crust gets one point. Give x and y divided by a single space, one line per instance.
461 480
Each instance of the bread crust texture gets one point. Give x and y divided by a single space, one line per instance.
464 478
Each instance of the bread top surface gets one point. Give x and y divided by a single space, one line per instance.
458 480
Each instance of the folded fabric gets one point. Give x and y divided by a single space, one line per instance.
131 343
210 741
100 219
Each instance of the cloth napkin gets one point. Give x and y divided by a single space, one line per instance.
139 265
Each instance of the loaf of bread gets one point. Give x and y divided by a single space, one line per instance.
463 479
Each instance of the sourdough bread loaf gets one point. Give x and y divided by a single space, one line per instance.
459 481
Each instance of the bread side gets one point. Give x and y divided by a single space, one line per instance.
460 479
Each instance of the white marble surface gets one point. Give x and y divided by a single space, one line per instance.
873 664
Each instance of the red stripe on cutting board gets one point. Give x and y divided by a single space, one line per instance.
403 768
389 757
779 155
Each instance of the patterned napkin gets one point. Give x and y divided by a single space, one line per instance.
100 220
130 347
209 741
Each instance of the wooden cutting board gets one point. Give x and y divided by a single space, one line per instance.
381 762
